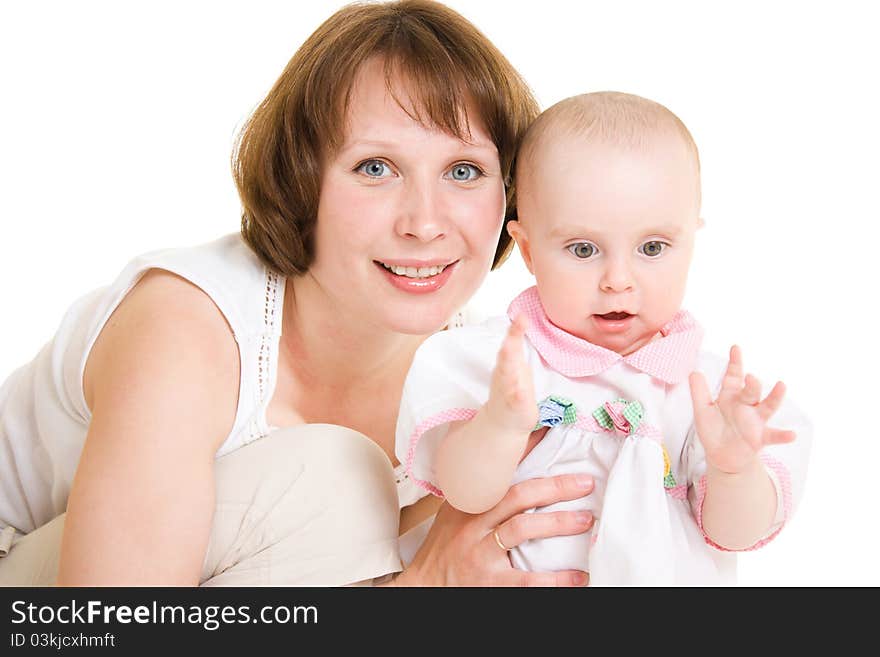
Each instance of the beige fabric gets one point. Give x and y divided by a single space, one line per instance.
33 559
308 505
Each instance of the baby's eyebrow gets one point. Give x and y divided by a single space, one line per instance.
567 231
571 231
672 230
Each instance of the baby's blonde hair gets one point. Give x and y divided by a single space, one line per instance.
611 117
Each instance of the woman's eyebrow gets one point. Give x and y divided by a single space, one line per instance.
370 143
484 148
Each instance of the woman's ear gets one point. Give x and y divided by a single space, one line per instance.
518 233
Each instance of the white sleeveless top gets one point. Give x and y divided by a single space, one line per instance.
43 413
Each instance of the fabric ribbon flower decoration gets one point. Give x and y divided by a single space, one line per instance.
619 415
555 410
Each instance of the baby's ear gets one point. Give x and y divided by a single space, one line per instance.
518 233
700 222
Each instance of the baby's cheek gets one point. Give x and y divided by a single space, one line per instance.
664 297
567 309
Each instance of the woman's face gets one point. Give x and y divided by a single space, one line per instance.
408 217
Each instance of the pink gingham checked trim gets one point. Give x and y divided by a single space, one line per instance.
784 478
645 430
587 423
670 357
679 492
444 417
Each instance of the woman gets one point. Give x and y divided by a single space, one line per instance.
374 180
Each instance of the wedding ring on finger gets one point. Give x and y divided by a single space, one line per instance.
499 541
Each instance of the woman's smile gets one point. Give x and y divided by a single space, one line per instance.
416 279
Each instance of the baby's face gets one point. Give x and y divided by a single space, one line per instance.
608 232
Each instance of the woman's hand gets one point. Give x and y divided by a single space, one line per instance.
461 550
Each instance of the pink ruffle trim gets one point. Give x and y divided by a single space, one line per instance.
784 478
444 417
645 430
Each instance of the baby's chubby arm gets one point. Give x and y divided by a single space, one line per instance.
740 502
477 458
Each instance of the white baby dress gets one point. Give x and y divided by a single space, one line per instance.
625 420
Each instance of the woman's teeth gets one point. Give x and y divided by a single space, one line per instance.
415 272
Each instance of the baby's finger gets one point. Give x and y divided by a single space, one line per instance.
772 401
506 361
514 338
733 376
700 395
520 323
512 347
777 436
751 392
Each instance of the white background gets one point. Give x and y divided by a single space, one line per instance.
118 121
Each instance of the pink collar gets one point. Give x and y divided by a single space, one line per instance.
669 358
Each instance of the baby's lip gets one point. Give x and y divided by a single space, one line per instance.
616 315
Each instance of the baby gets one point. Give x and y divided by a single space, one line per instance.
597 369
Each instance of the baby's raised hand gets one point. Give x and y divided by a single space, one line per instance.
733 428
512 393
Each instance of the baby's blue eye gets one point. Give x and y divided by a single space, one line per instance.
653 248
582 250
374 169
465 172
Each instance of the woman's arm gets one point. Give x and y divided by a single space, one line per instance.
162 384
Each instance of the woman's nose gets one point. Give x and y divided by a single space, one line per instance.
423 215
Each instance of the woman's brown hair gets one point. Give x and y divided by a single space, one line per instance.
446 62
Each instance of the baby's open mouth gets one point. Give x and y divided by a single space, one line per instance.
615 316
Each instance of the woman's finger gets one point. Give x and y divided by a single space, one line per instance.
540 491
561 578
526 526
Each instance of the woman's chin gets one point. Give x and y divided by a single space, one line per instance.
418 323
427 313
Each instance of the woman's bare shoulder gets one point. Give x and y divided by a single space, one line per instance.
165 345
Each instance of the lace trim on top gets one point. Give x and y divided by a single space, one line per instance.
407 490
266 354
457 320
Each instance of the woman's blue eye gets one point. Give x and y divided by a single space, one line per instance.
374 169
465 172
653 248
582 250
